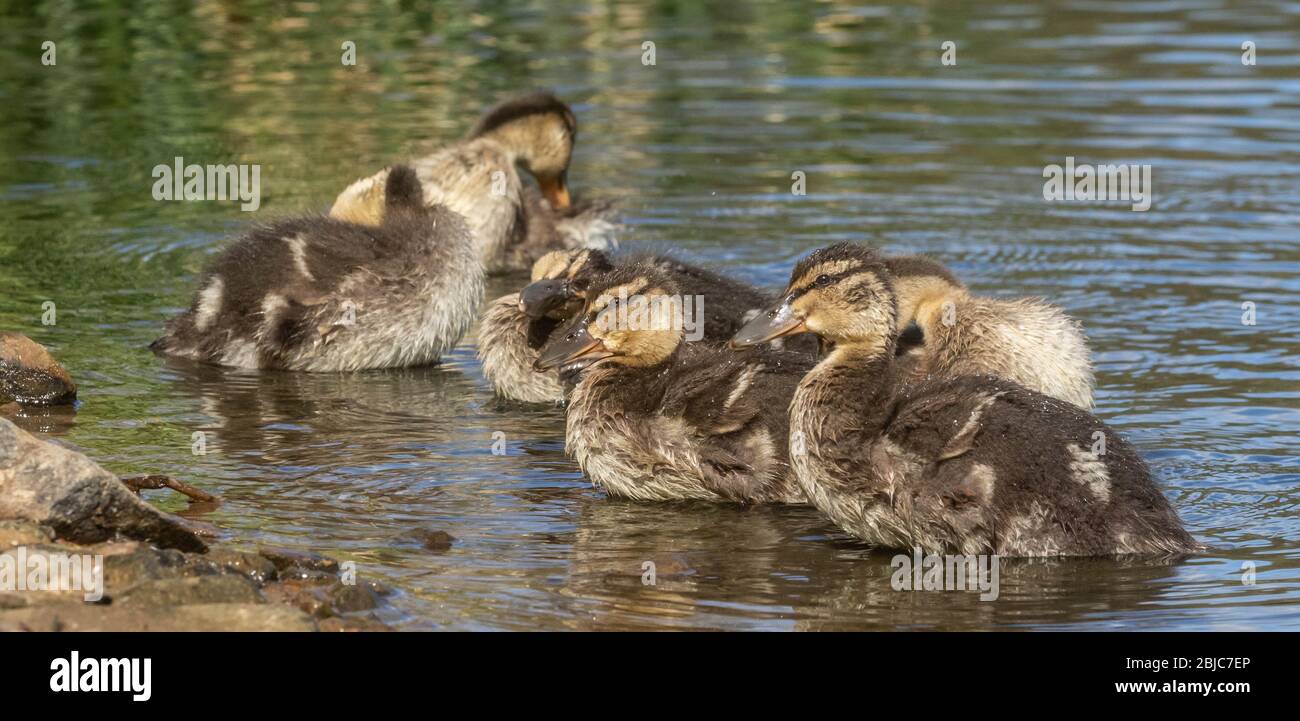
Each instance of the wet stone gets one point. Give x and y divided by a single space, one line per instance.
251 565
168 592
287 560
350 599
30 375
432 540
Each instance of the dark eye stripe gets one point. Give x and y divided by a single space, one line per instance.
835 278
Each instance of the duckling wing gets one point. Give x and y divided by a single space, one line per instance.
710 393
939 422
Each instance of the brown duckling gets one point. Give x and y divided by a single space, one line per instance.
323 294
509 337
946 330
967 464
654 417
478 177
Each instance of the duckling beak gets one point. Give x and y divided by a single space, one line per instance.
573 345
774 322
556 190
542 297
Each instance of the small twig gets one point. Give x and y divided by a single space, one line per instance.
140 483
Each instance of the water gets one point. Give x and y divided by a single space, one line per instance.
699 149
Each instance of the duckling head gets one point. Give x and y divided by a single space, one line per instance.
843 293
560 281
633 317
393 191
539 131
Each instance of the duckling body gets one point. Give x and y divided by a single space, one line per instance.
968 464
478 177
1025 340
323 294
655 418
510 338
508 341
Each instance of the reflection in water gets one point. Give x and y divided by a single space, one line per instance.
897 149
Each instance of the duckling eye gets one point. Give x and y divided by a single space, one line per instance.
822 281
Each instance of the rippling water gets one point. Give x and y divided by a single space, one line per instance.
699 149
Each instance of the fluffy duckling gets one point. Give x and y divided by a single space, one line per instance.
656 418
515 326
561 281
944 329
508 344
969 464
323 294
478 178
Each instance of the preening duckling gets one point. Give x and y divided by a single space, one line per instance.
323 294
561 281
1025 340
478 178
508 343
656 418
509 338
969 464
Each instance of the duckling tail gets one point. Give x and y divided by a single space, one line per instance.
403 191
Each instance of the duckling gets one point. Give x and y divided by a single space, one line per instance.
477 178
654 417
324 294
966 464
561 280
944 329
509 338
508 342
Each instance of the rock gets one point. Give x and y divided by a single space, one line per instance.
127 569
229 588
310 598
197 617
287 560
22 533
252 566
350 599
352 623
45 483
432 540
30 375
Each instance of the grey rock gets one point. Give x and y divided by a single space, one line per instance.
45 483
289 560
251 565
164 592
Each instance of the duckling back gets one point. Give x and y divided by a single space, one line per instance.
322 294
996 467
1026 340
